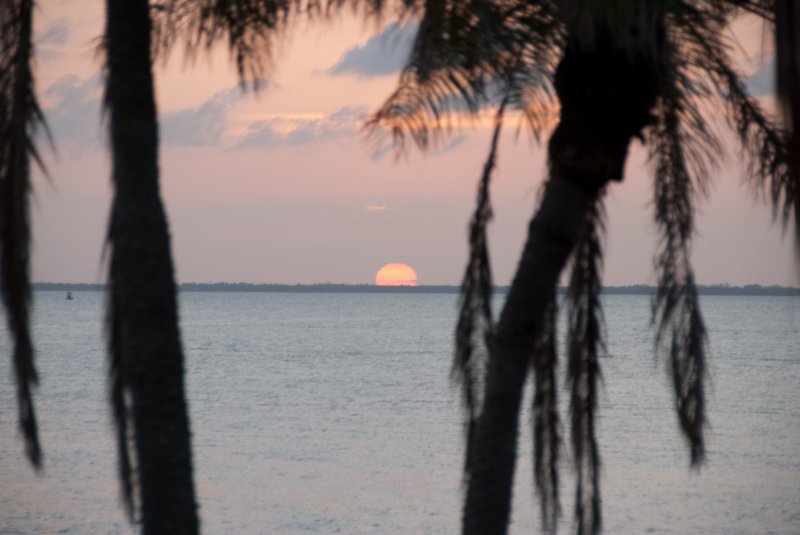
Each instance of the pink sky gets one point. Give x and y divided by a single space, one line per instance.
282 187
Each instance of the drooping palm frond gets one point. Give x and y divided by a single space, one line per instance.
679 174
424 111
585 346
249 27
253 29
20 117
475 316
464 54
546 424
765 145
689 92
119 382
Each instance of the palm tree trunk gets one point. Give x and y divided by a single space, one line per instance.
606 95
551 236
147 359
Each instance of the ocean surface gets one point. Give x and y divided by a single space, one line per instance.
333 413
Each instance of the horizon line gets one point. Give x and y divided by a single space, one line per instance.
704 289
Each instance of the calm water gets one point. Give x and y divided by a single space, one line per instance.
332 413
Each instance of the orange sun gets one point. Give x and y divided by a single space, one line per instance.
396 275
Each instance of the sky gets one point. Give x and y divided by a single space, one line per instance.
283 186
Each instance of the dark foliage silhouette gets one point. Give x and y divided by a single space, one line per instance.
147 387
621 71
20 117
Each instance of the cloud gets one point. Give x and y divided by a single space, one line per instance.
74 115
201 126
382 54
51 40
374 208
293 130
55 34
762 82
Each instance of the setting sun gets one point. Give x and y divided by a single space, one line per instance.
396 275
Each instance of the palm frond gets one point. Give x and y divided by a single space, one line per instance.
249 27
424 111
764 9
585 346
463 58
476 300
764 143
546 424
119 378
690 91
20 117
676 312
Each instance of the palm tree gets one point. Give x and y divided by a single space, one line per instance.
144 343
147 361
146 356
147 386
20 117
620 69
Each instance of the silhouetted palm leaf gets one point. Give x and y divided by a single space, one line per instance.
20 117
249 27
467 55
546 423
585 347
684 149
475 317
764 143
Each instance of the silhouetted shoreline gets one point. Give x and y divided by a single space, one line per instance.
636 289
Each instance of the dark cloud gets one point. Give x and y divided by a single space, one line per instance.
74 115
290 130
201 126
382 54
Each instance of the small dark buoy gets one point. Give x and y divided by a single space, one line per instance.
69 296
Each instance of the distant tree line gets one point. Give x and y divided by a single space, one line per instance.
633 289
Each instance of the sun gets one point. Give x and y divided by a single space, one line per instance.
396 274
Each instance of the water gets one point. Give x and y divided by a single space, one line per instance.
332 413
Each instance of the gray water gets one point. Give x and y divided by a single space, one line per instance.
333 413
